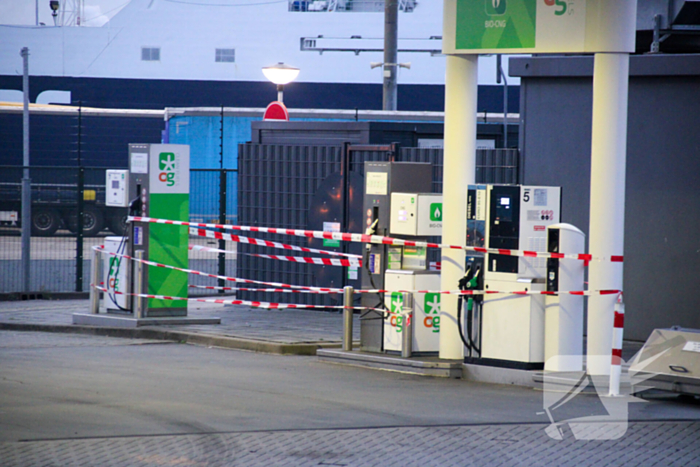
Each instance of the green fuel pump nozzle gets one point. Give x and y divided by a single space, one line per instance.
468 282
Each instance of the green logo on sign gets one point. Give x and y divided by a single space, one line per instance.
396 306
166 163
396 302
559 3
436 212
431 306
494 25
495 7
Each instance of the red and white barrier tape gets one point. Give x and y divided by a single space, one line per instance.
616 363
356 263
254 304
378 239
267 243
442 292
258 289
336 290
216 276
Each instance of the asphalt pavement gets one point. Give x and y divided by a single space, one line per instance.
88 399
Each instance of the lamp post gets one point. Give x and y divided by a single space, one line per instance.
280 74
390 82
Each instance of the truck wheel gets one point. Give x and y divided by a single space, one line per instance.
117 224
45 222
93 222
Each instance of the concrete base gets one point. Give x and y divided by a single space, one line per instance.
128 322
498 375
567 380
430 366
425 366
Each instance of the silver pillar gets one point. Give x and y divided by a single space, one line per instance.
347 318
139 302
96 265
407 334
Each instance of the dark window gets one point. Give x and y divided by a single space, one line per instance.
150 54
225 55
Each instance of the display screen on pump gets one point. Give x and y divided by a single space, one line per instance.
503 209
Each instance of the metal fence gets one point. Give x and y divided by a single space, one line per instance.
60 255
279 184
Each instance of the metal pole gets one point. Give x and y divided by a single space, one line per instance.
222 202
36 8
79 240
500 74
391 68
96 265
26 181
280 93
407 333
139 302
616 367
347 318
459 172
607 212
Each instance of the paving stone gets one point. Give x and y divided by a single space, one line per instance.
646 443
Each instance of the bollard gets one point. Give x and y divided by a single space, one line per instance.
616 364
139 302
96 265
407 333
347 318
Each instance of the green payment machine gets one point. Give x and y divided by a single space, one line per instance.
159 187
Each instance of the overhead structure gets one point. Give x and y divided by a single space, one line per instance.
601 27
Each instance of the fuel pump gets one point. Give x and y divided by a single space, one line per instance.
416 216
381 180
156 185
504 329
159 187
115 270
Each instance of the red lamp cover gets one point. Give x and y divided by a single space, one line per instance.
276 111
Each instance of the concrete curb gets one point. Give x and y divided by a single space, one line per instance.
23 296
208 340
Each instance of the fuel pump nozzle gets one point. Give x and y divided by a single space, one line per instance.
135 206
371 230
468 282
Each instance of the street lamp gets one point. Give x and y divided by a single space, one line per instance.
280 74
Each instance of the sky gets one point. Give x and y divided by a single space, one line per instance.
23 12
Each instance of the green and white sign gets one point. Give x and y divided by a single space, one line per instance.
396 305
538 26
169 180
436 212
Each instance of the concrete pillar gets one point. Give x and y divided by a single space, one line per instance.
459 171
607 212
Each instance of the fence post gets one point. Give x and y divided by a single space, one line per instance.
26 181
222 220
79 239
138 286
347 318
407 333
96 265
